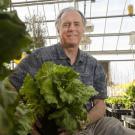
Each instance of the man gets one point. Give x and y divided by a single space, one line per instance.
70 25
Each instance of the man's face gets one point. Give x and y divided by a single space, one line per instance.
71 29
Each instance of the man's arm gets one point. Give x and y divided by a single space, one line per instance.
98 111
99 108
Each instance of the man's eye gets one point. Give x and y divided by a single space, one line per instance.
66 25
77 24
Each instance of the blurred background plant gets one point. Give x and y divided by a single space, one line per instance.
13 36
126 101
13 40
36 28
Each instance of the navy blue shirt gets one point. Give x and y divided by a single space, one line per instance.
91 72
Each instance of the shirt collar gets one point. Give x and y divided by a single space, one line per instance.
60 52
80 57
62 55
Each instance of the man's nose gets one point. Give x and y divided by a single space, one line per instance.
71 27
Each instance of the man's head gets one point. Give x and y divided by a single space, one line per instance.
70 25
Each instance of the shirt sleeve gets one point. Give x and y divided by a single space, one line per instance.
100 82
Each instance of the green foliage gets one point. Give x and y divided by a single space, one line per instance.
5 124
4 4
31 94
6 97
4 71
15 117
13 38
7 101
56 87
114 100
25 118
131 93
127 100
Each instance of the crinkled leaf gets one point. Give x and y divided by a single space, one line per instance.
58 88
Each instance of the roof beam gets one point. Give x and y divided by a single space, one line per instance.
111 52
40 2
97 35
117 60
98 17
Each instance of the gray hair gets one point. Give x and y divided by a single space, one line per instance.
57 22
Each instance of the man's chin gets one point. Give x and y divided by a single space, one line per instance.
70 45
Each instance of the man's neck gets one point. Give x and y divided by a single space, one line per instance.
71 54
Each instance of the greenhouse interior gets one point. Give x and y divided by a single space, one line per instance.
109 37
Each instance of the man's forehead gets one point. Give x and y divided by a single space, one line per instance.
69 13
71 16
